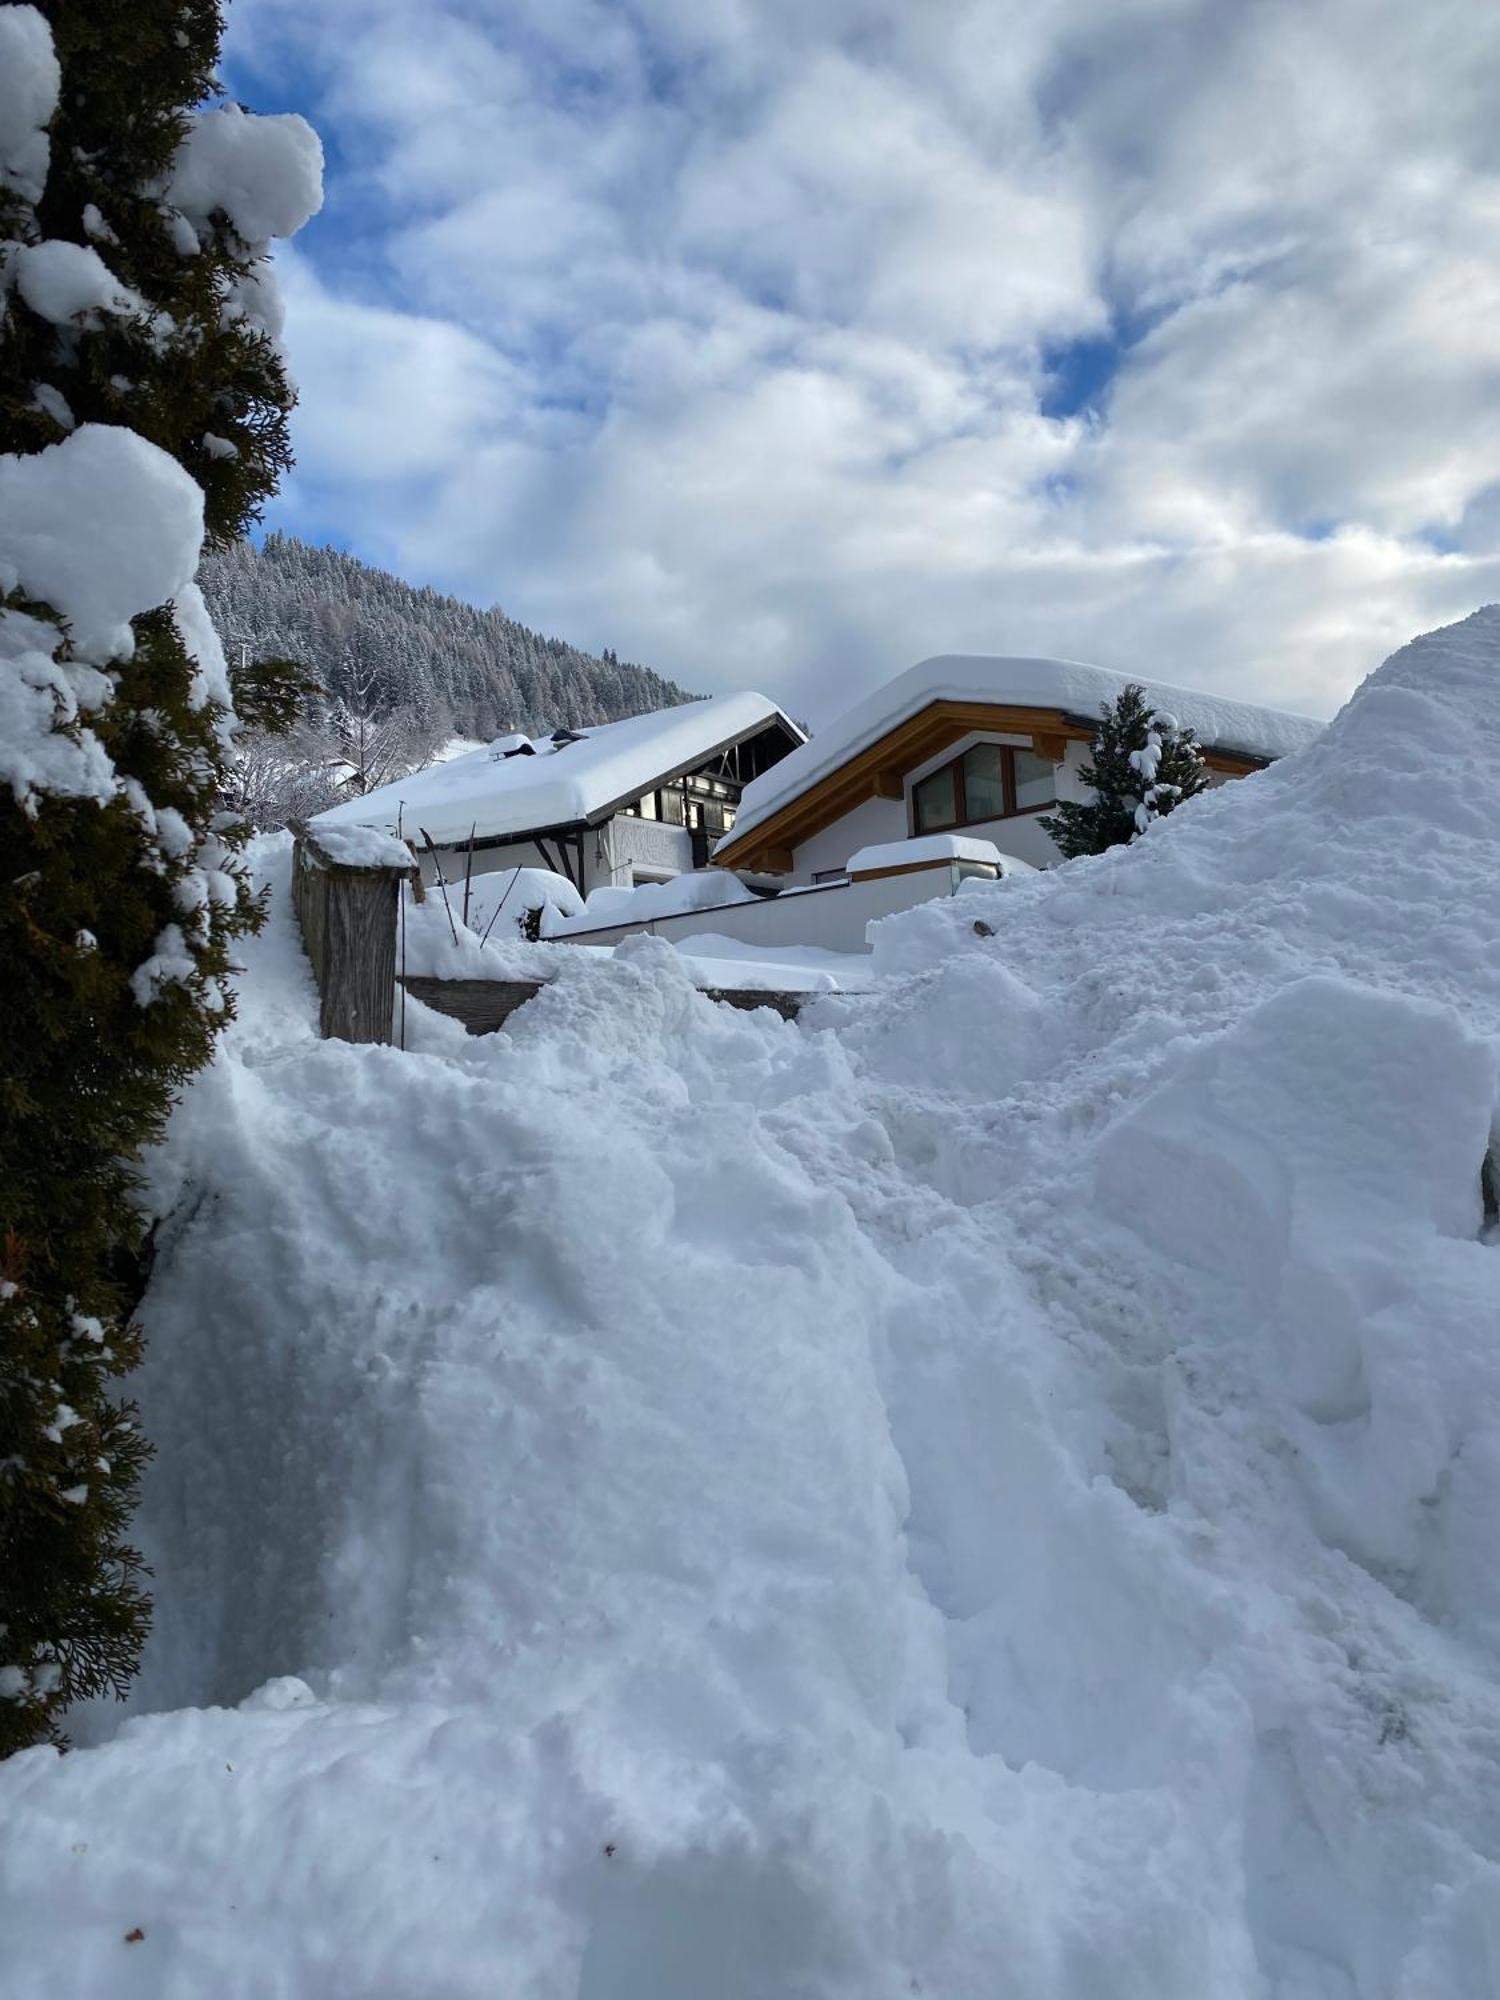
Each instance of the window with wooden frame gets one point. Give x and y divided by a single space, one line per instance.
989 781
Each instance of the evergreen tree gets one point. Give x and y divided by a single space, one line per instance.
378 644
1143 765
136 335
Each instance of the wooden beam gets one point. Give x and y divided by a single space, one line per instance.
560 866
1048 744
888 785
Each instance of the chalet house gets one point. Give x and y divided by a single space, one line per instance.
626 803
968 745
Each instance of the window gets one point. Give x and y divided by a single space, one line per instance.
935 801
984 781
989 781
821 875
1036 780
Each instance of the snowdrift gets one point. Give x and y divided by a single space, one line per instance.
987 1491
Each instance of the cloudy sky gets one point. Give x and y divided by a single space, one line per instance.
783 342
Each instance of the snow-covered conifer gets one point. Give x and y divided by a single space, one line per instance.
376 644
143 411
1143 765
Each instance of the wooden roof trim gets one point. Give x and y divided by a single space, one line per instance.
908 744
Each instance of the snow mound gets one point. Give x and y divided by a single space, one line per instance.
989 1489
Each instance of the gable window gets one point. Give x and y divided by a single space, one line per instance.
989 781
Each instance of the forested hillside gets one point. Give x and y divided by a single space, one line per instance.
378 644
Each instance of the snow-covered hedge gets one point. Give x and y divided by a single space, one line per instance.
141 414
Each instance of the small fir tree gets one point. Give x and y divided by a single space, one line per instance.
1143 766
135 308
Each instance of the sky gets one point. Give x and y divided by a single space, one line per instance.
782 343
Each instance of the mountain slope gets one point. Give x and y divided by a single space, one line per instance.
374 641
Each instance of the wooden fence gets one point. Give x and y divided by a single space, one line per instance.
483 1005
346 908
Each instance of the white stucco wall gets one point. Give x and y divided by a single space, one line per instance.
868 825
833 917
890 819
611 854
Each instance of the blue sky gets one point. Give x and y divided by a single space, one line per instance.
780 345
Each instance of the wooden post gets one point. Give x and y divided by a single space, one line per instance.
346 883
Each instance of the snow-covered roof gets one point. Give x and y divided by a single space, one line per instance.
1218 722
516 786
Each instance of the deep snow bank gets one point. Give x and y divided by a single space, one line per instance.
988 1491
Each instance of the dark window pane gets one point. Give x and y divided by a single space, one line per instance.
1036 779
935 801
984 782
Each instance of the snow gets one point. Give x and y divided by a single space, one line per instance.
37 694
264 173
54 402
170 964
102 526
439 944
204 647
987 1489
931 848
1077 689
505 894
712 960
563 785
363 847
697 889
455 746
69 283
29 84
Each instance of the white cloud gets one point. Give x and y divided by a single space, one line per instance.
715 332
